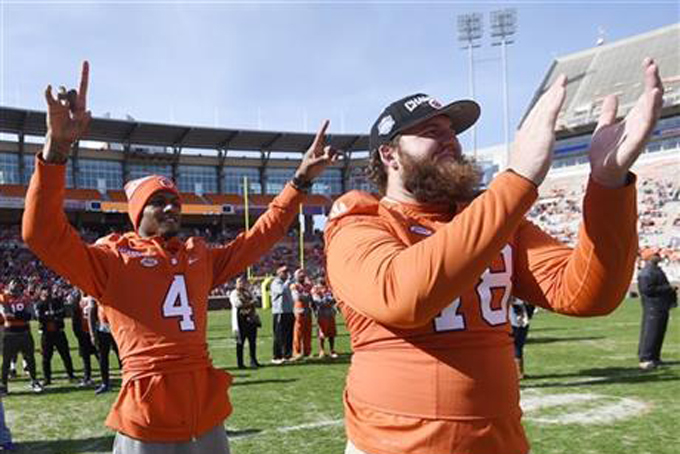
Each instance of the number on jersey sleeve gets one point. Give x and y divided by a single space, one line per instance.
176 304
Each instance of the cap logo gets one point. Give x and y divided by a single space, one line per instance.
165 182
413 103
133 185
435 103
385 125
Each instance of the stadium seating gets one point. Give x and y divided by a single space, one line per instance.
224 199
83 194
12 190
194 199
117 196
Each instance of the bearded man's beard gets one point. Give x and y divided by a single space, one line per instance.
446 182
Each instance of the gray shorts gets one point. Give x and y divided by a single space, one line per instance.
214 441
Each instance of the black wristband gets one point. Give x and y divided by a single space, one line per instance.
301 184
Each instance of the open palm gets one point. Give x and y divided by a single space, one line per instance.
615 146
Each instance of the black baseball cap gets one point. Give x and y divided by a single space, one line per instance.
415 109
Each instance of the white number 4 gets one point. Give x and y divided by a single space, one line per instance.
176 304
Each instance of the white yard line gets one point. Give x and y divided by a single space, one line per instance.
598 408
581 408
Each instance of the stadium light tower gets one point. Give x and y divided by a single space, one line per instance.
503 27
469 34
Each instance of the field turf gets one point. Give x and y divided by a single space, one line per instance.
584 394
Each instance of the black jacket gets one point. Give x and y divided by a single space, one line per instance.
50 314
655 289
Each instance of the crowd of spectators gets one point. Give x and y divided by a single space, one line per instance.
17 260
558 211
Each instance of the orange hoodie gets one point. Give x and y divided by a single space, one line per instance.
425 296
155 295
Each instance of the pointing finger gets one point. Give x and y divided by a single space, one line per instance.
84 82
320 135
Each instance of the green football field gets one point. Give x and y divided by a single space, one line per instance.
584 394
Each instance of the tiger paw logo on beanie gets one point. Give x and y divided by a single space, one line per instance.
139 191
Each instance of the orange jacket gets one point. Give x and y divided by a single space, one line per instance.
425 296
155 296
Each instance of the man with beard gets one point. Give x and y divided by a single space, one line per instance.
423 275
153 286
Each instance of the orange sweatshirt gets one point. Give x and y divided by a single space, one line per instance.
425 296
155 295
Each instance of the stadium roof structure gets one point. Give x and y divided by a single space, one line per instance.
30 122
614 68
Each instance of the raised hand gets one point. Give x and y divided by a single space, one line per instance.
614 147
532 151
67 118
318 156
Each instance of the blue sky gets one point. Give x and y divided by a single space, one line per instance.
288 65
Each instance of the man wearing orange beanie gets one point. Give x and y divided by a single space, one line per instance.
153 287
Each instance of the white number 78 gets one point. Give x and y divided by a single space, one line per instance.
451 320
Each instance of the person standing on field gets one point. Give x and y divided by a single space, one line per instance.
423 274
658 297
153 286
245 322
283 318
50 312
302 308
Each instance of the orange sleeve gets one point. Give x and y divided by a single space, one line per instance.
373 271
591 279
47 232
249 246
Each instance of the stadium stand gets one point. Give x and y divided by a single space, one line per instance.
13 190
116 196
593 74
210 164
83 194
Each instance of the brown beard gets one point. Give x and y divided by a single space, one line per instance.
444 183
